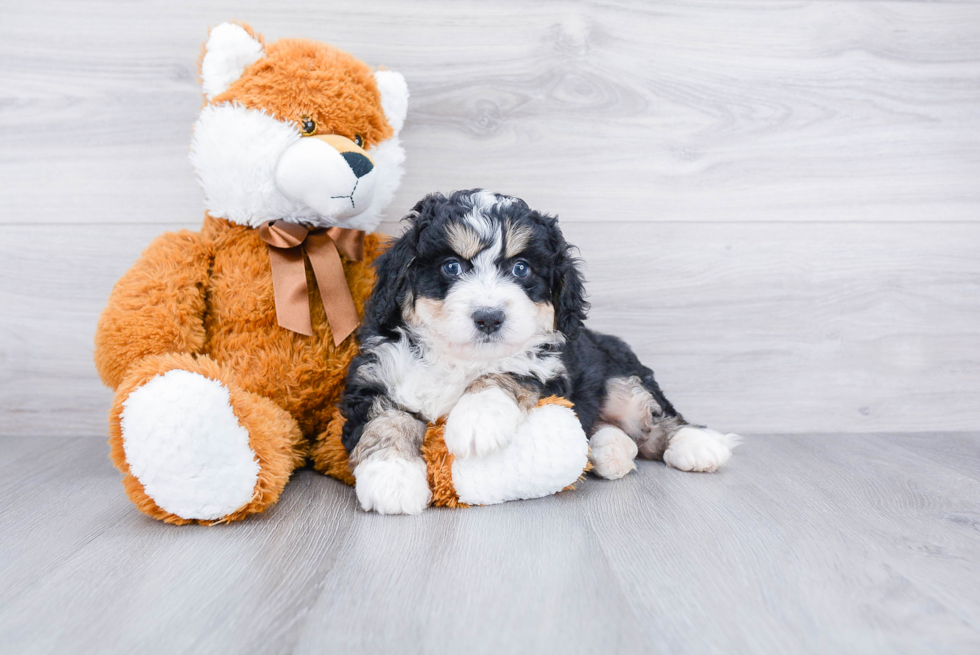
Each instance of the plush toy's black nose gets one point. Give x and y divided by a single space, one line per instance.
488 321
358 163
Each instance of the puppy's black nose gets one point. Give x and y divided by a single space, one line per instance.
358 163
488 321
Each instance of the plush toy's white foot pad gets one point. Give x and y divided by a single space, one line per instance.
482 422
548 452
392 486
612 453
700 449
184 444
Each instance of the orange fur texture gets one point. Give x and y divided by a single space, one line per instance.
203 302
298 78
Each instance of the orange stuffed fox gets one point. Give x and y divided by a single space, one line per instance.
227 348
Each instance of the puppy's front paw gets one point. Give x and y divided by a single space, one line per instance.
392 486
612 453
482 422
700 449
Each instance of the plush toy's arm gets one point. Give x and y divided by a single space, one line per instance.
156 307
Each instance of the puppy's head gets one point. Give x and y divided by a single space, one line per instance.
479 274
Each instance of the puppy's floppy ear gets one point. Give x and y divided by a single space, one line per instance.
394 268
567 286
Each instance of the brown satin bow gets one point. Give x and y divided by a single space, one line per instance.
288 243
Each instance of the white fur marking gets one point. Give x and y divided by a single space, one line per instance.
229 51
482 422
392 486
700 449
612 453
482 202
432 383
184 444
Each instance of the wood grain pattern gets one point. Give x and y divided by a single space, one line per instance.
751 328
776 199
734 111
804 544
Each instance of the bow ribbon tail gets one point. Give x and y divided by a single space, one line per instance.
349 242
338 304
289 286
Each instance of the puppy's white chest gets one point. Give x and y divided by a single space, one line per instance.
431 391
431 385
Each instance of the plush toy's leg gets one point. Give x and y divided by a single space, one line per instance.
631 412
548 453
196 447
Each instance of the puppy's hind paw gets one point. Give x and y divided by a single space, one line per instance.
392 486
700 449
612 453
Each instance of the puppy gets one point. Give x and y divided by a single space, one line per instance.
477 313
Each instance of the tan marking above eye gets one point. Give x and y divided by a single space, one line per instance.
464 240
516 239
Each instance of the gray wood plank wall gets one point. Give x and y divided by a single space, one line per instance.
778 202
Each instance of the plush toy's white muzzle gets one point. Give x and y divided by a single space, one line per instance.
328 174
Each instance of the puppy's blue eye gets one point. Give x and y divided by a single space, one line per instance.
452 267
521 269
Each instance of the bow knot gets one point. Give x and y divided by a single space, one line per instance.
289 244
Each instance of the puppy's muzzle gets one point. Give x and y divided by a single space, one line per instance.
488 321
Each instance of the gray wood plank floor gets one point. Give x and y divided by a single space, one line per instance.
805 544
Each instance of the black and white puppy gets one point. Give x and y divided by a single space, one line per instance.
478 313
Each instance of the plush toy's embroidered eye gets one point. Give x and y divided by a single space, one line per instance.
309 126
521 268
359 140
452 268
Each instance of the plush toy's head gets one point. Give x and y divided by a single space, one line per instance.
296 130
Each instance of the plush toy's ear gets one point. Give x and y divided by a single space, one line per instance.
230 49
394 97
